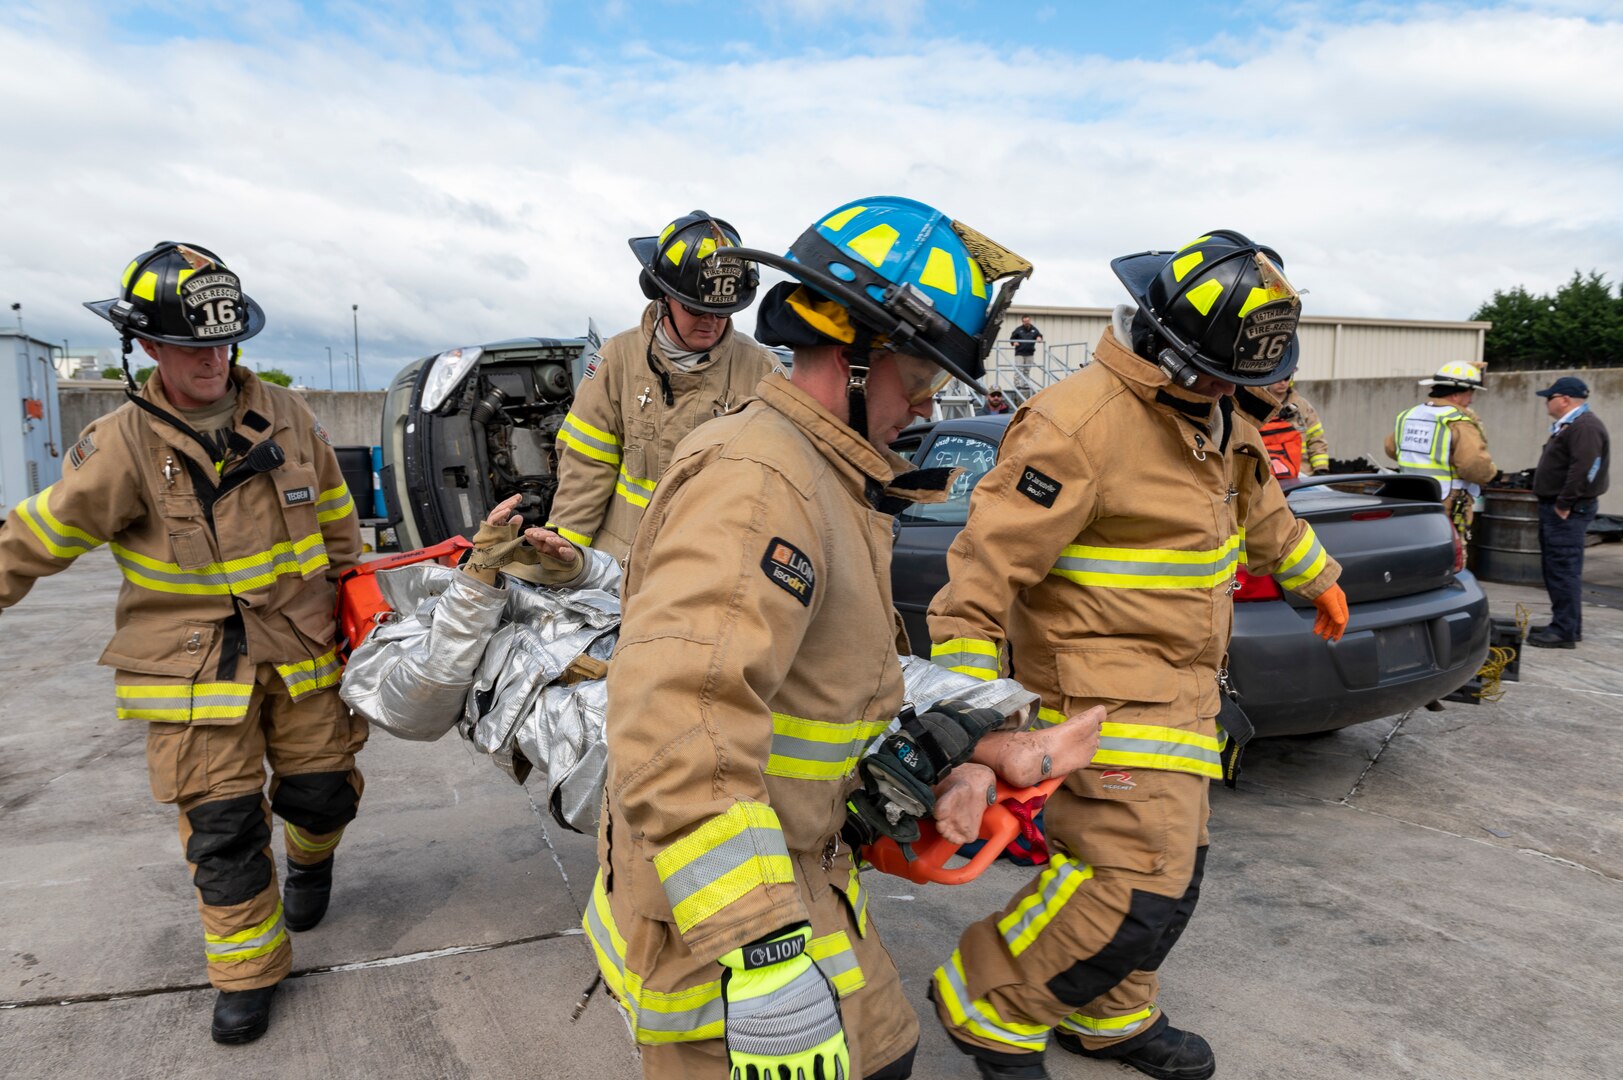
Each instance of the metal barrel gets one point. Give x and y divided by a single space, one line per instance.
1504 538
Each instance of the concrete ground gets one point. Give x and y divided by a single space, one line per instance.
1433 895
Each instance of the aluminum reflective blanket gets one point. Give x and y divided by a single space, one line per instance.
487 660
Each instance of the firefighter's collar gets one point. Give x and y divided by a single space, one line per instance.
254 411
650 344
836 439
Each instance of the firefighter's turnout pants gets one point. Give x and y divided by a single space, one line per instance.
215 775
1078 948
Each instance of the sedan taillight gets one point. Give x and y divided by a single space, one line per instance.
1255 587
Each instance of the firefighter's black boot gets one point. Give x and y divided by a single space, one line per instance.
241 1016
1164 1052
305 896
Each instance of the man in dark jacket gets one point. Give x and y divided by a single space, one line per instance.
1571 474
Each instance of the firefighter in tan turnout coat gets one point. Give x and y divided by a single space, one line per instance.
684 364
225 509
1099 561
757 660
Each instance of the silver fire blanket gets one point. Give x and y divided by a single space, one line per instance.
485 659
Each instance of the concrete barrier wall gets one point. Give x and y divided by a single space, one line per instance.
351 419
1358 415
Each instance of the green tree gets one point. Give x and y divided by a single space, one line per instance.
1584 327
111 372
277 376
144 373
1512 342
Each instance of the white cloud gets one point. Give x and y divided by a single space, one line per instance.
1402 168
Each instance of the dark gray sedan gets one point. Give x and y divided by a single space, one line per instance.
1418 630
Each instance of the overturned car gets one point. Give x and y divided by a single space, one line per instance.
467 428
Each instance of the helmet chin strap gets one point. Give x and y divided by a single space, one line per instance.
856 384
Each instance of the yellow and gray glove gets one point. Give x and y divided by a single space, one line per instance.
782 1012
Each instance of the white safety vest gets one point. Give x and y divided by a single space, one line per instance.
1423 437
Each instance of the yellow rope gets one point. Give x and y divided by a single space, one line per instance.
1500 658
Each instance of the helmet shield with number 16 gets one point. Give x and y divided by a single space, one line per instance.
1222 303
182 294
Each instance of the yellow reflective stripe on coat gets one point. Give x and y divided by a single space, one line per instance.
578 539
978 1016
1055 885
698 1012
181 703
306 841
1306 561
834 958
1319 461
267 937
299 557
818 749
62 541
967 656
633 489
689 1015
333 504
722 861
1047 716
1148 568
1107 1026
307 676
1149 746
592 442
857 897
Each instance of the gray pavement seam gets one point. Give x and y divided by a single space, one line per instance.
1385 742
557 860
302 973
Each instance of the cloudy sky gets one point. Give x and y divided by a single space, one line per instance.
469 171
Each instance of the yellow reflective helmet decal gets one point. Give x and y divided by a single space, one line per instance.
939 272
1204 295
875 244
1182 266
1254 299
843 218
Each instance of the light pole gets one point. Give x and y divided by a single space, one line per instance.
355 314
18 308
330 385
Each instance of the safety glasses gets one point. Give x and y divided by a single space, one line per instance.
921 380
699 313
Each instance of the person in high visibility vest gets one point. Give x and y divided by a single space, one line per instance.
1296 412
1443 439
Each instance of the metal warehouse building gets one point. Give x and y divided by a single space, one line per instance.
1332 347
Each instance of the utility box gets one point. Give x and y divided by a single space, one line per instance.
31 449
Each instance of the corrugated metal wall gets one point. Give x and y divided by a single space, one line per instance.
1332 348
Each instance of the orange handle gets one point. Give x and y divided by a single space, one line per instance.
998 828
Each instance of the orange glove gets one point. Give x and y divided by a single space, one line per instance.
1332 620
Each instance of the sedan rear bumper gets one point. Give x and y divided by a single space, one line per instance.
1398 654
